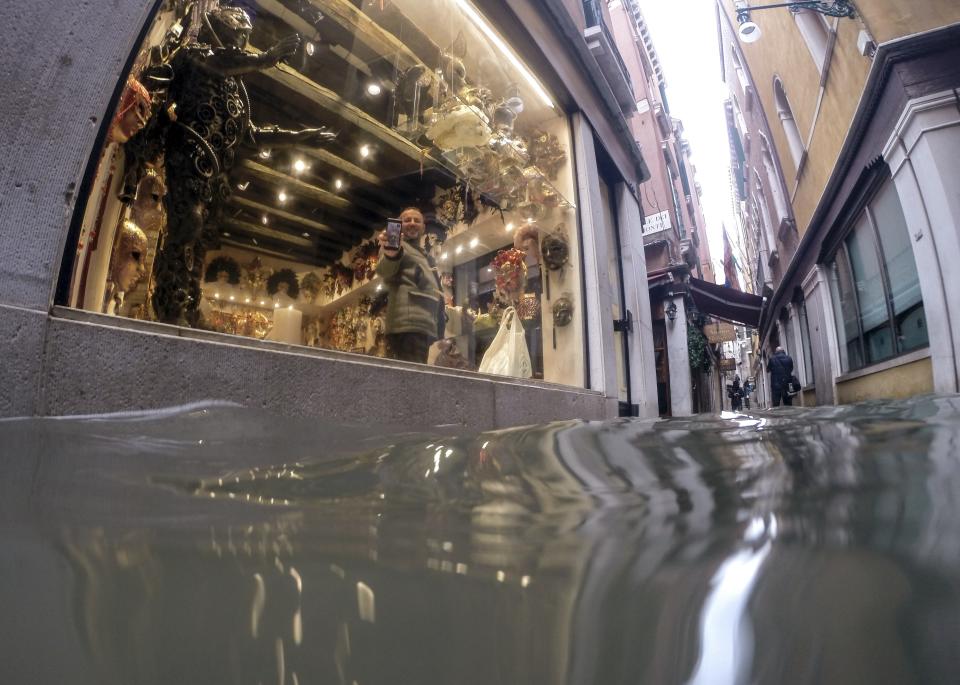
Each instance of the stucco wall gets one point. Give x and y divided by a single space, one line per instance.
890 19
907 380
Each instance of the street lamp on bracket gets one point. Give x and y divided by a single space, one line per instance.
749 32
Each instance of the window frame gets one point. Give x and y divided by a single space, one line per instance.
870 188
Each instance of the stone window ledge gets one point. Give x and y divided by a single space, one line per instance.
94 318
885 365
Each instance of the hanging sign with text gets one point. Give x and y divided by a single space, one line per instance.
654 223
719 332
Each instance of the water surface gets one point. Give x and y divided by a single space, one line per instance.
215 544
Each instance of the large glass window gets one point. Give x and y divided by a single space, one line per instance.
257 156
875 287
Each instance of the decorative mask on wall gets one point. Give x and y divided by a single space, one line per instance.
223 269
562 311
127 264
556 249
283 282
132 114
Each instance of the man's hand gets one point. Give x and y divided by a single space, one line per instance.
389 251
284 49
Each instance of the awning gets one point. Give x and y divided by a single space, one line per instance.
726 303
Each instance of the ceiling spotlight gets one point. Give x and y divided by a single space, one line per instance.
306 235
444 257
459 249
247 300
365 151
265 153
310 48
225 234
265 219
509 227
299 166
338 184
243 186
374 89
474 242
282 196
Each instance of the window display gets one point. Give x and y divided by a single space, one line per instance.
260 149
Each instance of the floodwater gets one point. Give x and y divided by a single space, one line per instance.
215 544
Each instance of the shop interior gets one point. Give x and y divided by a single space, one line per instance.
422 104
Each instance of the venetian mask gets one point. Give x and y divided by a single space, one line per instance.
148 206
562 311
128 267
132 114
555 249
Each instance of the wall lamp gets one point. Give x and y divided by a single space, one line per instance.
671 311
750 32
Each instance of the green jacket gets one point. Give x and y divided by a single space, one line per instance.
414 296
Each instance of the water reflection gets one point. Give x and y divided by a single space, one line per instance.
815 545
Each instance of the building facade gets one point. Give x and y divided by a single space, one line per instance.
844 135
193 209
674 231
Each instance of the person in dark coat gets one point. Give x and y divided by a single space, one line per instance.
780 367
736 395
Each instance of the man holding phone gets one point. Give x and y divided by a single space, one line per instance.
414 315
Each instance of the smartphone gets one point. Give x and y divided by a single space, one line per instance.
394 234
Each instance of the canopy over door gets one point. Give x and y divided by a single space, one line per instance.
726 303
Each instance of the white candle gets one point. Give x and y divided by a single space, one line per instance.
286 325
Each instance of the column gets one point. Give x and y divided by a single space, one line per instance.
643 371
598 303
681 398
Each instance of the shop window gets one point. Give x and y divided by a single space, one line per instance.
875 287
790 128
248 175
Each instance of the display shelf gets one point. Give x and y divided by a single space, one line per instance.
219 299
351 297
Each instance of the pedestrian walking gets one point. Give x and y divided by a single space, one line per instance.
780 367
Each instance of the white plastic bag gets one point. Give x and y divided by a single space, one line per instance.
508 354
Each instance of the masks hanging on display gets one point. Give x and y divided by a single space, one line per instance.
546 153
283 282
199 134
255 275
562 315
311 285
127 266
510 270
555 248
132 114
223 269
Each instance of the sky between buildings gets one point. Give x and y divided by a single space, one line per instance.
684 33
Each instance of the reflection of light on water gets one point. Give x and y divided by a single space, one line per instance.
726 636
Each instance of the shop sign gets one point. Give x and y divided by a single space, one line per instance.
728 364
654 223
719 332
